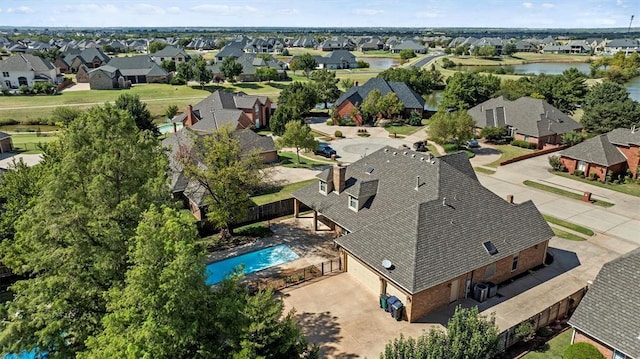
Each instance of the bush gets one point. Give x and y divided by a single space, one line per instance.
8 121
258 231
446 63
582 351
361 64
329 123
338 133
363 134
555 163
450 147
494 134
523 144
578 173
177 80
594 177
414 119
525 331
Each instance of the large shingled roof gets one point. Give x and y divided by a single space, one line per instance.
433 233
357 94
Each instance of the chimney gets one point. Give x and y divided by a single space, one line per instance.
189 120
339 174
355 83
510 198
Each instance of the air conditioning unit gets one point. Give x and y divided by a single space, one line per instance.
480 292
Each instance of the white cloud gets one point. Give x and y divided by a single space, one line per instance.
224 9
367 12
89 8
605 21
547 5
287 11
528 5
20 10
427 15
146 9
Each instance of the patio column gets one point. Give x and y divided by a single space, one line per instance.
315 221
296 208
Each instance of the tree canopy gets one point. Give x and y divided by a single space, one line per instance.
306 63
230 68
200 72
465 90
301 96
326 85
156 46
447 126
607 106
298 134
265 73
137 110
420 80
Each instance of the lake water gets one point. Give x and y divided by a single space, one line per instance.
633 88
379 62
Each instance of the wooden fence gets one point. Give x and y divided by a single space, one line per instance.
557 311
271 210
533 154
287 279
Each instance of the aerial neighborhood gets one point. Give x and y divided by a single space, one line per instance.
301 192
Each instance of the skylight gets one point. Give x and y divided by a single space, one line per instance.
491 249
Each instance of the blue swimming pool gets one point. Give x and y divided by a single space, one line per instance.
168 127
26 355
253 262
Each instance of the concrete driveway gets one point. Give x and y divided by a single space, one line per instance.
352 149
7 158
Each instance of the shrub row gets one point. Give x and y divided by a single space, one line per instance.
523 144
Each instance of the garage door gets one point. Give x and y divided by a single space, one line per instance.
360 272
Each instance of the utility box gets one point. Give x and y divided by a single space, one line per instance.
586 197
480 292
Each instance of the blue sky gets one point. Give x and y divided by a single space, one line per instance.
322 13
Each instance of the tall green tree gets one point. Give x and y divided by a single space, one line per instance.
391 104
326 85
420 80
371 104
298 134
64 114
164 309
280 118
607 106
184 70
465 90
168 65
19 188
407 54
137 110
447 126
71 245
509 49
230 68
346 83
265 73
306 63
301 96
200 71
156 46
227 175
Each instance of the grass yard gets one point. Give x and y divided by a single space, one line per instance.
566 235
289 159
403 130
280 192
568 194
553 349
508 152
569 225
28 143
433 149
632 189
359 75
484 170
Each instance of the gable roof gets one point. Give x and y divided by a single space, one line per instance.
625 137
4 135
170 51
137 65
596 150
26 62
529 116
609 311
357 94
430 234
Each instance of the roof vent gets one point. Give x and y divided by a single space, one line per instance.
386 150
491 249
387 264
433 162
405 153
395 153
368 170
444 201
421 159
413 155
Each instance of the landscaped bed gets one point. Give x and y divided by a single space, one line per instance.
569 225
626 188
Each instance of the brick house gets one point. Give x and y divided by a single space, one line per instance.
82 75
91 57
527 119
608 315
6 144
439 231
237 110
172 53
106 78
350 100
190 192
614 152
139 69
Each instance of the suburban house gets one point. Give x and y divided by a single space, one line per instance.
337 59
250 63
337 43
354 97
107 78
229 51
409 44
82 75
608 315
171 53
190 192
26 70
628 46
423 228
527 119
90 57
264 46
221 108
614 152
139 69
571 47
6 144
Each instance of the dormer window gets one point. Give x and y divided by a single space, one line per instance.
353 203
323 187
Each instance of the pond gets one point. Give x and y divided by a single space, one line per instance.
633 88
380 62
547 68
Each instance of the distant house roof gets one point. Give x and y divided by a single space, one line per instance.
110 71
428 216
228 51
529 116
357 94
622 43
596 150
409 44
609 312
137 66
4 135
87 55
26 62
170 51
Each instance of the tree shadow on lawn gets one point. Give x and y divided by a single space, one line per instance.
323 329
278 86
252 86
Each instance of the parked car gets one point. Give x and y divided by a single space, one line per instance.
472 143
420 146
324 150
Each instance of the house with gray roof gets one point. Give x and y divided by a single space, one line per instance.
26 70
6 144
229 51
190 191
337 43
139 69
92 58
106 78
250 63
337 59
423 228
409 44
612 153
221 108
527 119
170 53
628 46
354 97
608 315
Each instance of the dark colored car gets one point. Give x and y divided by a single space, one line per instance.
324 150
472 143
420 146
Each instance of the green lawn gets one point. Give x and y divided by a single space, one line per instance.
289 159
553 349
28 143
566 235
283 192
626 188
484 170
569 225
403 130
508 152
568 194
